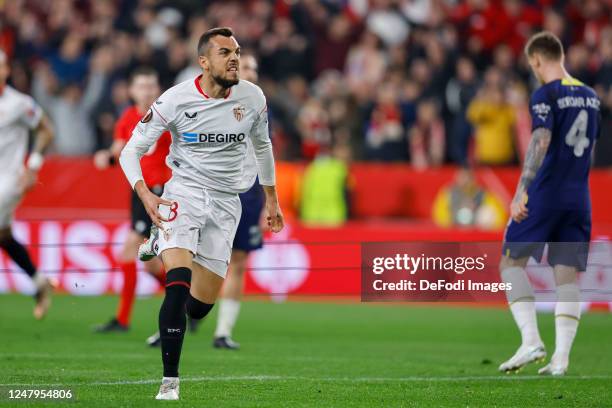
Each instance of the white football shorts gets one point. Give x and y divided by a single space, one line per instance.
200 220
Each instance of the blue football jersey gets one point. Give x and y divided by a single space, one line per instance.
571 111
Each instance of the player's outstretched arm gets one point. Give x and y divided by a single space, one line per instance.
538 146
44 137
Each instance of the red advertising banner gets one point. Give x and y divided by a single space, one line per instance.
81 255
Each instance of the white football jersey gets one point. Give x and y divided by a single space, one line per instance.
18 114
217 143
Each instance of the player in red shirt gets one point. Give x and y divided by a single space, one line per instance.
144 89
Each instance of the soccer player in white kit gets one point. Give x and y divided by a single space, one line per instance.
18 115
217 122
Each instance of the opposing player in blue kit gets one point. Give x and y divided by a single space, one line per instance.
552 203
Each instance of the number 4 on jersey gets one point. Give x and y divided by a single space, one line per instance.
576 137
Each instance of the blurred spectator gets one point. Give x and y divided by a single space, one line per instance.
313 124
427 142
177 59
333 36
325 189
365 65
459 92
603 77
480 21
71 109
603 86
419 12
519 100
386 132
516 24
421 48
493 120
464 203
388 24
432 65
556 24
283 51
69 64
577 62
503 60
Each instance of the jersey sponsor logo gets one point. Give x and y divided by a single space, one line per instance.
541 110
191 115
147 117
217 138
158 102
238 112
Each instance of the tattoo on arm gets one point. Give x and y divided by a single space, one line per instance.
538 146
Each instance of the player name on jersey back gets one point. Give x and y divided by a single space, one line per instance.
578 102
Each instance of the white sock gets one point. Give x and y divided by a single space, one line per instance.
567 316
228 314
169 379
522 305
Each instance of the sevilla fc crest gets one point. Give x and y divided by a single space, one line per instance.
238 112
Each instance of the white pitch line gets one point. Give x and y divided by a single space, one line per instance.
510 377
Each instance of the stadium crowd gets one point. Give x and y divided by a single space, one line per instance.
420 81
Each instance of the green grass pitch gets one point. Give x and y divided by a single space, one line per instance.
300 355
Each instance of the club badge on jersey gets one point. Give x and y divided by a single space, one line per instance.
238 112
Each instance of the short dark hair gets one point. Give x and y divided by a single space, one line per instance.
546 44
143 71
205 38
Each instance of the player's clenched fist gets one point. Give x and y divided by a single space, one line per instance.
518 208
151 202
272 212
274 216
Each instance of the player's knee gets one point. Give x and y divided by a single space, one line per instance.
504 263
178 277
197 309
508 262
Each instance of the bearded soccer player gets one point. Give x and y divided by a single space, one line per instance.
552 204
143 89
18 115
210 118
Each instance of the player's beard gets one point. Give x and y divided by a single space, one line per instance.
224 82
